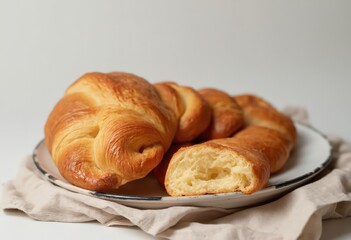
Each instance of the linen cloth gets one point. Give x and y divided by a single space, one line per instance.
297 215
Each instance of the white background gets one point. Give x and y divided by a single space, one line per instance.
289 52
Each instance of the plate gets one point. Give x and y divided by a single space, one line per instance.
311 155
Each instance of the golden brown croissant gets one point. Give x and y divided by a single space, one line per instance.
241 163
109 129
227 116
192 111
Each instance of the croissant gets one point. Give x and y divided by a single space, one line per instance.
243 162
109 129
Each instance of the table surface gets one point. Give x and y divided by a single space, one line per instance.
291 53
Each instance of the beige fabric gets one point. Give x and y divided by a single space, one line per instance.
298 214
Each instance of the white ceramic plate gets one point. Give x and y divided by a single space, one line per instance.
310 156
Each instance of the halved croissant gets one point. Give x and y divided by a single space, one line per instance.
240 163
214 167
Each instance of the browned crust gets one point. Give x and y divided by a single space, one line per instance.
277 135
193 112
272 144
227 116
271 119
246 100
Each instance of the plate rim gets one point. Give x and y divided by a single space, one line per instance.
132 198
